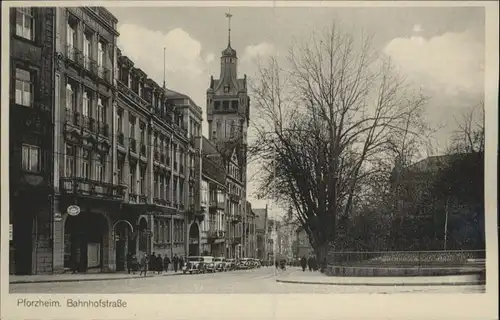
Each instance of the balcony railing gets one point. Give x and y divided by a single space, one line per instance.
157 155
72 117
103 129
143 198
98 189
159 201
132 145
74 54
213 234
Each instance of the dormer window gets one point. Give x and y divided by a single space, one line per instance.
226 88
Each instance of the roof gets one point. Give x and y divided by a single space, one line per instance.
175 95
208 148
229 52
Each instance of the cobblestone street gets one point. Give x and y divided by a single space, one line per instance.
262 280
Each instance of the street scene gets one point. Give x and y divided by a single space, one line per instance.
150 153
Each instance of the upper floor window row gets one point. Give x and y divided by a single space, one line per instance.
25 23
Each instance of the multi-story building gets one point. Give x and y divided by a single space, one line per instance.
155 129
228 107
249 234
88 197
287 236
261 216
213 201
31 106
304 248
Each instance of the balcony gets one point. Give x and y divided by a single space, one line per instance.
104 74
89 123
74 55
143 199
214 234
181 169
157 155
192 141
236 218
234 197
160 202
121 138
92 188
132 145
72 118
103 129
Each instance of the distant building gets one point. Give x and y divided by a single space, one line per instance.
260 232
304 248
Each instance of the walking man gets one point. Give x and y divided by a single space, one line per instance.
144 264
303 263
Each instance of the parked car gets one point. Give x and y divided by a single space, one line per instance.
220 264
209 263
230 264
244 263
194 264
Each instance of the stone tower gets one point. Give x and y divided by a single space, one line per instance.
228 108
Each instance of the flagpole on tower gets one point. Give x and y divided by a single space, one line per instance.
164 67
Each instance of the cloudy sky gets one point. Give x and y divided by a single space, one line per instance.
440 50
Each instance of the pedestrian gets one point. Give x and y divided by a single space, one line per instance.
166 262
129 262
277 264
303 263
152 261
181 263
159 264
175 261
135 264
144 264
309 263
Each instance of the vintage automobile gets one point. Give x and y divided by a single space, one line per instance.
244 263
194 264
220 264
230 264
208 262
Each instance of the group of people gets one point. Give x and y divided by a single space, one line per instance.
154 263
310 263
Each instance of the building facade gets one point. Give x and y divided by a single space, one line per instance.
304 248
250 233
228 115
261 216
30 139
213 201
84 178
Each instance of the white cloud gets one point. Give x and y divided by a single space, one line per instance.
417 28
260 50
186 67
450 63
209 58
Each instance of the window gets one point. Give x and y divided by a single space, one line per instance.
132 127
181 191
85 169
31 158
101 110
226 89
70 96
161 190
119 116
99 167
155 185
143 139
132 178
87 50
119 170
142 181
85 104
232 128
71 40
100 58
24 87
25 23
69 161
217 132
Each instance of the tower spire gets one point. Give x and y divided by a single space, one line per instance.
229 16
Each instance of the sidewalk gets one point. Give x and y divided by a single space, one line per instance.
70 277
307 277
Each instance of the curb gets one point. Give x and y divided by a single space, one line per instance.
90 279
385 284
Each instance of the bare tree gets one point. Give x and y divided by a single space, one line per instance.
469 137
327 126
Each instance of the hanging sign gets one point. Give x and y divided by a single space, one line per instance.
73 210
11 233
